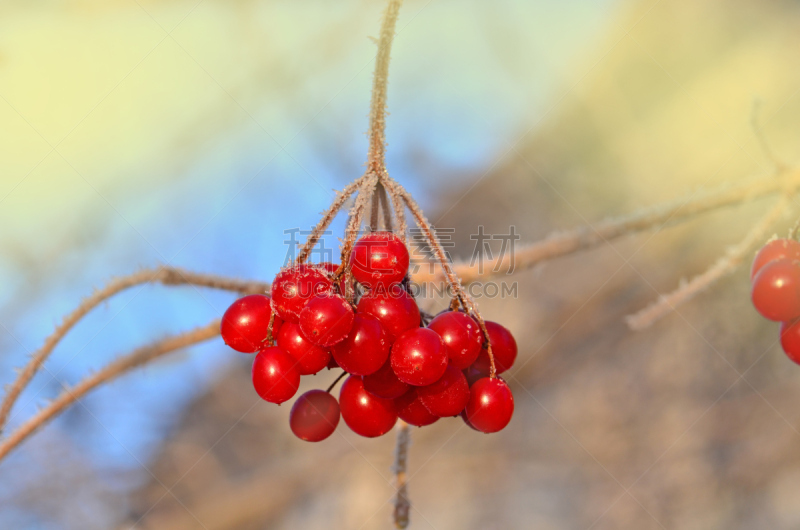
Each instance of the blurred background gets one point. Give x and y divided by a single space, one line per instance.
194 133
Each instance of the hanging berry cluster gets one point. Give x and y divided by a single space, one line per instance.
361 316
775 277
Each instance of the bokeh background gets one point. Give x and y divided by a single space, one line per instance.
193 133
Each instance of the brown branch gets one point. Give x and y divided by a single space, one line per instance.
164 275
585 237
724 266
402 504
377 113
117 368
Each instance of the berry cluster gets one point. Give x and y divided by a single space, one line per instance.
363 319
775 278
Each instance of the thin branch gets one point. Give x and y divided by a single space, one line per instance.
377 112
402 505
117 368
724 266
585 237
164 275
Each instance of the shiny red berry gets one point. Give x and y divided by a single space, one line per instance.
365 349
244 324
504 349
490 405
448 396
790 340
294 287
326 319
384 383
776 290
393 307
365 414
461 335
419 357
775 250
310 357
379 258
275 375
314 416
411 410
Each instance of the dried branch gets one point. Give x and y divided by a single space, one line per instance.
402 505
585 237
117 368
164 275
724 266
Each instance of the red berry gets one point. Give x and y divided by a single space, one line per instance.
419 357
504 349
314 416
461 335
393 307
775 250
448 396
490 405
294 287
411 410
790 340
244 324
365 349
275 375
379 258
364 413
384 383
326 319
776 290
310 357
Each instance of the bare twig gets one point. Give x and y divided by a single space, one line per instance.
585 237
723 266
164 275
402 505
377 112
117 368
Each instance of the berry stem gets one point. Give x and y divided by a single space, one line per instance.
376 158
335 381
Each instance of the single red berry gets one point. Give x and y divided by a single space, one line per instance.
461 335
365 349
775 250
448 396
275 375
244 324
379 258
776 290
310 357
490 405
393 307
419 357
294 287
314 416
411 410
326 319
365 414
384 383
790 340
504 349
